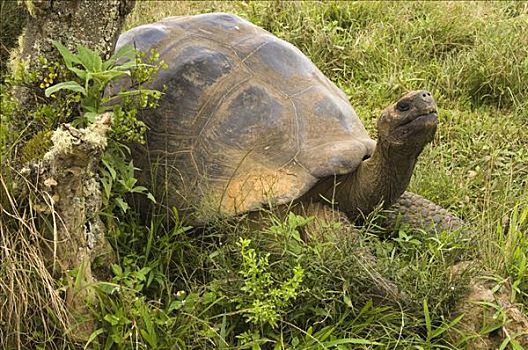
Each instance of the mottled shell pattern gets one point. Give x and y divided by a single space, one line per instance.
246 119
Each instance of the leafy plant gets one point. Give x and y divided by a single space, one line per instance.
288 231
94 75
117 180
434 333
264 301
126 312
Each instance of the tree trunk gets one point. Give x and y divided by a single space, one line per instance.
95 24
67 188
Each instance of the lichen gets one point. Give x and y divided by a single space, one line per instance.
96 132
62 144
94 138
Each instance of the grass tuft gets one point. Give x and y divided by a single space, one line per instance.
33 306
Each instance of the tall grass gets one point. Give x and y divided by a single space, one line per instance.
32 302
173 289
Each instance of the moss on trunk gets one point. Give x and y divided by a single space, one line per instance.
67 190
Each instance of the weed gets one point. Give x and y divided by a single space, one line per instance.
513 240
265 303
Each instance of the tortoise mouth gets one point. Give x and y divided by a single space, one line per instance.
431 115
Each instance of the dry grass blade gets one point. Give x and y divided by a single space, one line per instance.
31 296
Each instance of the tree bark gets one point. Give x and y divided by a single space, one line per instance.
95 24
68 191
68 195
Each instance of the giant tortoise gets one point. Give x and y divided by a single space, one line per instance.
247 121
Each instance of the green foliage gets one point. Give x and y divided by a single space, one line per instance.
84 95
93 76
7 107
262 302
494 71
436 332
77 92
414 257
140 306
46 115
118 180
515 243
127 314
232 285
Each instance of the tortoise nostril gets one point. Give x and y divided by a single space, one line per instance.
426 96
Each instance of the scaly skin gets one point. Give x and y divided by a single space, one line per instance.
418 212
404 129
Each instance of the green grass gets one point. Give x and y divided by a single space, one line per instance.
175 290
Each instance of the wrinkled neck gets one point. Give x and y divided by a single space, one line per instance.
381 178
389 170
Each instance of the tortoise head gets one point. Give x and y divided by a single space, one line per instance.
409 122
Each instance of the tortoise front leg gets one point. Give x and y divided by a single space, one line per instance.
330 224
420 213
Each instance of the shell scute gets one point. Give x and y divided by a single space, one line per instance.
246 119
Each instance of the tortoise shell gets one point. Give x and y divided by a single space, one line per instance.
246 120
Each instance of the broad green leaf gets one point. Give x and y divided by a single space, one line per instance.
89 117
113 320
117 270
324 333
89 59
89 107
87 80
131 64
66 54
107 187
175 305
110 169
105 76
122 204
108 287
138 189
92 337
126 52
81 73
150 338
150 196
67 85
136 92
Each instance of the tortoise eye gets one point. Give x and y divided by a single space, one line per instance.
403 106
